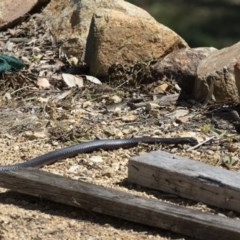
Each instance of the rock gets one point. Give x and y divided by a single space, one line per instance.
12 11
116 36
237 73
181 66
218 76
120 32
39 134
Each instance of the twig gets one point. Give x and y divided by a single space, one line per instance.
198 145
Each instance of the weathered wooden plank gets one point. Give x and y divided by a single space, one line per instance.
187 178
120 204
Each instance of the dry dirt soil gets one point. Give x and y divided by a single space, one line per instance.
39 112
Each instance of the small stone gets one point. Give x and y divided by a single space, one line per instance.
115 99
73 168
129 118
36 134
96 159
107 173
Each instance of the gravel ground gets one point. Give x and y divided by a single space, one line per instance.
36 119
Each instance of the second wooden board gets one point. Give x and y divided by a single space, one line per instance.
186 178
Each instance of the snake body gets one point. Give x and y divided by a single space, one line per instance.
105 144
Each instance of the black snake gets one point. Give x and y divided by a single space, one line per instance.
91 146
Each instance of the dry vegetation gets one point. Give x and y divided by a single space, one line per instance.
35 120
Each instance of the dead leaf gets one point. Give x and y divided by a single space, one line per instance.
182 119
43 100
161 88
43 83
93 79
178 113
64 95
129 118
115 99
7 96
72 81
73 61
150 106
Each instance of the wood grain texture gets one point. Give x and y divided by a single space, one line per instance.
187 178
121 205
